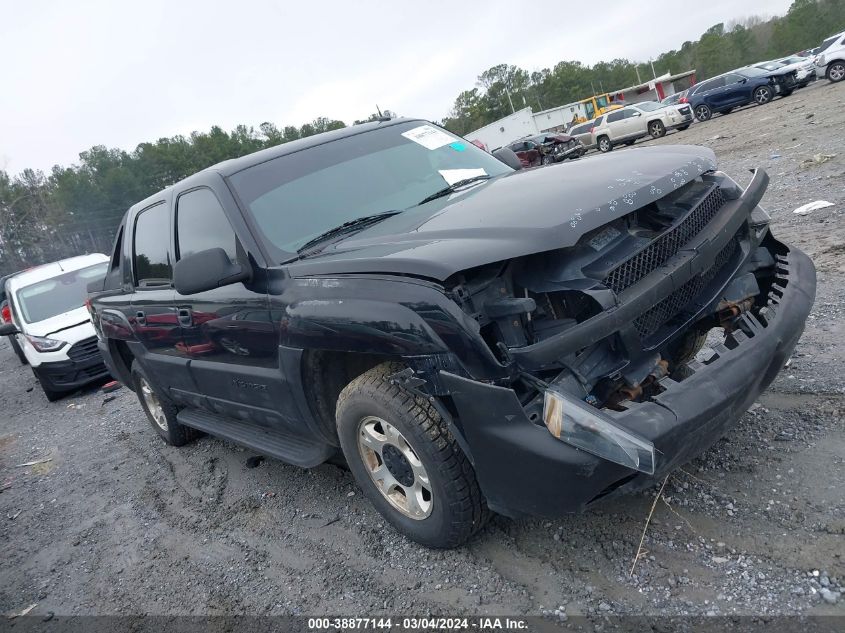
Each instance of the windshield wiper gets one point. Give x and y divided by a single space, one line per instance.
347 227
453 187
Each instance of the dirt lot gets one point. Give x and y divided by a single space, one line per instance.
117 522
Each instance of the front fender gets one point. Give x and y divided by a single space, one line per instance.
384 316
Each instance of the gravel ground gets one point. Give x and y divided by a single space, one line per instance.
117 522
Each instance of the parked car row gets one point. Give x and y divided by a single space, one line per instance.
755 84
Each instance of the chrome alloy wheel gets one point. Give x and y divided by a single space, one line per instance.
761 96
837 71
153 405
395 468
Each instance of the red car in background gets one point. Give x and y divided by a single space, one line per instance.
544 149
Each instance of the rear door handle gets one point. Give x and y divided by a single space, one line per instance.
185 317
141 318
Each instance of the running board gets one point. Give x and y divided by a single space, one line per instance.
279 444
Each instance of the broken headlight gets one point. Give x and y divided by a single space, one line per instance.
585 427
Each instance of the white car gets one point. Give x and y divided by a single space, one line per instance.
804 67
52 325
632 122
830 58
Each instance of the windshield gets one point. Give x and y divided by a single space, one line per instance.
57 295
297 197
649 106
771 65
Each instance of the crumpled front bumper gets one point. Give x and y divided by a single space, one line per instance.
523 470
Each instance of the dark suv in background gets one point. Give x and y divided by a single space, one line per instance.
739 88
467 336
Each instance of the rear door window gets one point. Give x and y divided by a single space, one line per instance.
718 82
826 44
151 247
201 224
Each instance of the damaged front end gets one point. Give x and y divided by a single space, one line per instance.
602 340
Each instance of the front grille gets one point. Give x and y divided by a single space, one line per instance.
667 245
650 321
84 349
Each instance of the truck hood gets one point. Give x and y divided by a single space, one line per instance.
518 214
63 327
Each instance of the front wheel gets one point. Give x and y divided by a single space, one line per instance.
18 351
683 127
656 129
604 144
836 71
161 412
51 394
703 112
404 457
762 95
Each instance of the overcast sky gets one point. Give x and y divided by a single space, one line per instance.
83 73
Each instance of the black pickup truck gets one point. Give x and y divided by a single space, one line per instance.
468 336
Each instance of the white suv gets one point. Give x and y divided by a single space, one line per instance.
52 325
648 118
830 58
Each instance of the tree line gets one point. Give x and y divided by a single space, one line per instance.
76 209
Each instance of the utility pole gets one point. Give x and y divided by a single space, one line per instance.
637 68
653 74
508 92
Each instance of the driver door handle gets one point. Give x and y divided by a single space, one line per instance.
185 317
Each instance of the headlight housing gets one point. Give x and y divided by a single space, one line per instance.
585 427
42 344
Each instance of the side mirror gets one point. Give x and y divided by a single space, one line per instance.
743 80
508 157
207 270
7 329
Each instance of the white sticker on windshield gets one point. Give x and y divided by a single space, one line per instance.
603 238
428 136
451 176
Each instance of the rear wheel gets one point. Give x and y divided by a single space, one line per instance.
604 144
656 129
836 71
407 462
161 412
762 95
703 112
